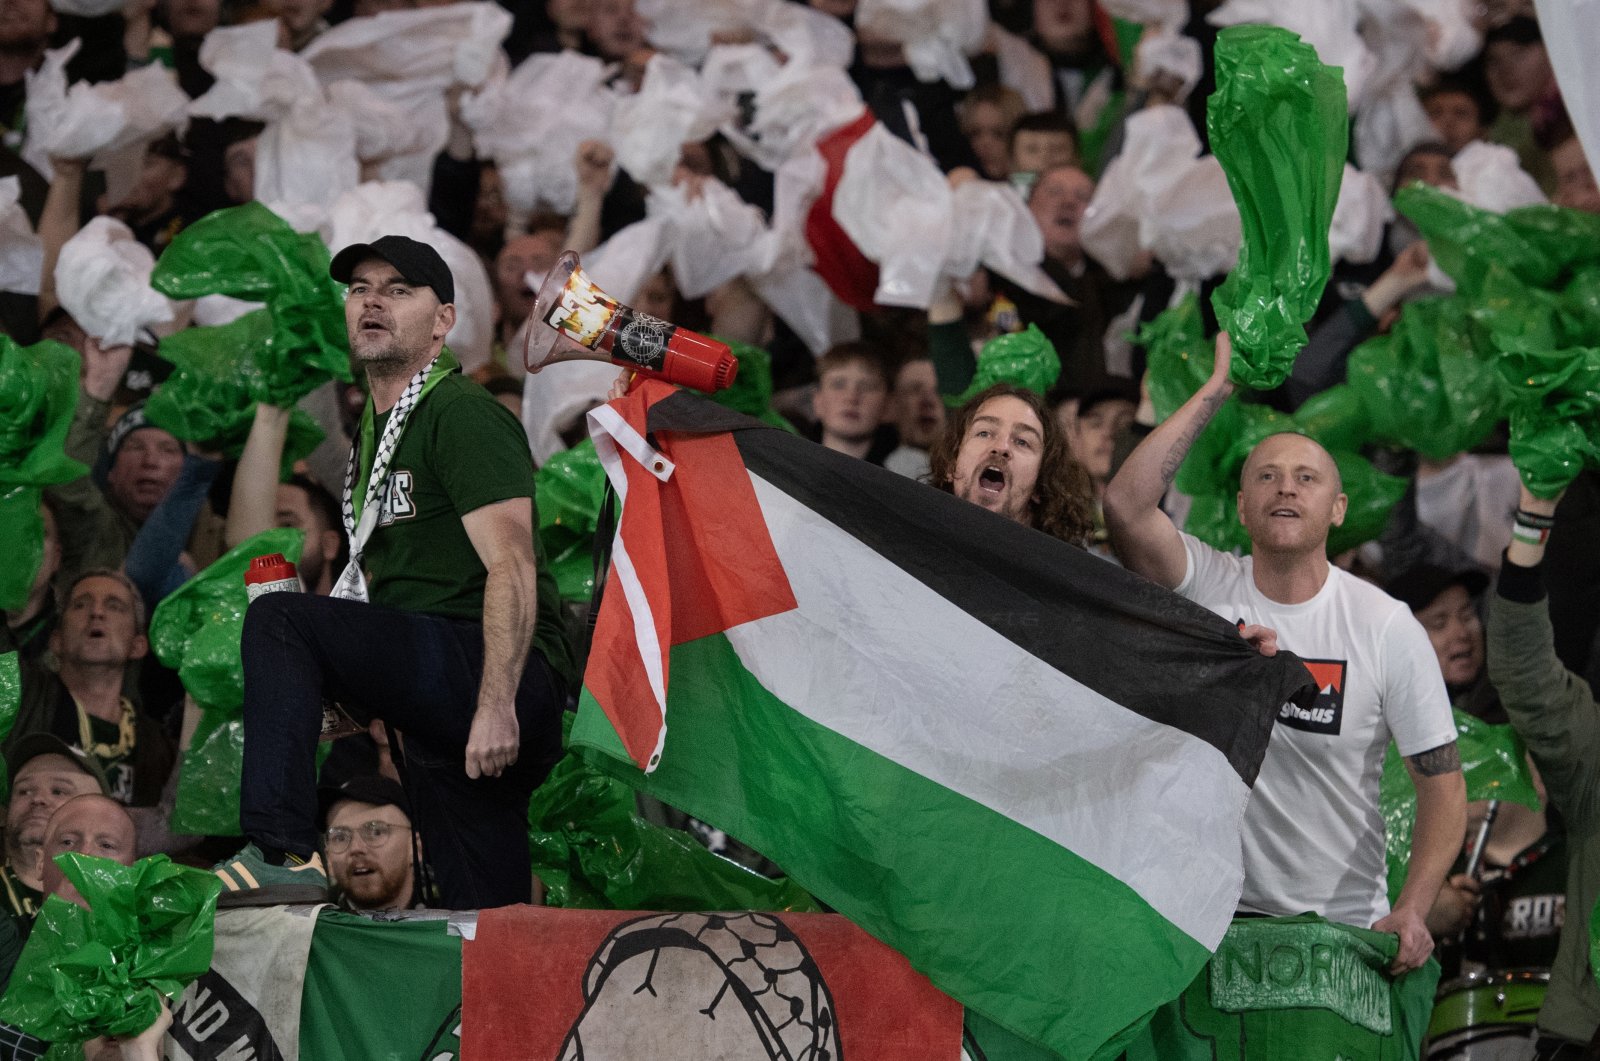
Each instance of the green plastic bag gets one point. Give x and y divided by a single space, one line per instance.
147 934
208 781
1279 125
1555 415
10 702
207 401
1429 385
1178 354
567 491
751 393
592 851
249 252
196 629
1494 765
38 395
1466 242
1024 359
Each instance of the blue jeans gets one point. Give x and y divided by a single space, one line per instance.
420 673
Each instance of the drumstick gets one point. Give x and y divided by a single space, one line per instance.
1479 842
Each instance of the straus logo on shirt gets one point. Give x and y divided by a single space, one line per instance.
1326 713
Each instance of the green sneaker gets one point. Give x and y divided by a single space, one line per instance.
248 879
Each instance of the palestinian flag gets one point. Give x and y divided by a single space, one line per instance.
1021 766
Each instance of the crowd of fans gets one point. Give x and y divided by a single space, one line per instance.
1040 98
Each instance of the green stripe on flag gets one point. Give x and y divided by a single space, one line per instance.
1001 918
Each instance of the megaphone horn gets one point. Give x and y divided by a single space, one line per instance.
573 320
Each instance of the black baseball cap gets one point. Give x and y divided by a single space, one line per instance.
1421 585
417 263
375 789
36 744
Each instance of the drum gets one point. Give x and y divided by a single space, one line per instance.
1487 1016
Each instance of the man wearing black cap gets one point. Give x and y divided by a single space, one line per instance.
372 849
45 772
445 624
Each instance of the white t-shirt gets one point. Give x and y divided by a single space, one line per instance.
1313 836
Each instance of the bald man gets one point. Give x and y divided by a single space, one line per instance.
91 824
1313 835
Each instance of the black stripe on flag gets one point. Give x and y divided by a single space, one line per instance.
1133 642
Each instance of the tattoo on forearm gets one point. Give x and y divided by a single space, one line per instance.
1180 447
1444 759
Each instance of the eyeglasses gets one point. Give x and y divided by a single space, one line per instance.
376 834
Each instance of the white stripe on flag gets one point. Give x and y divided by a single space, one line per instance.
609 431
878 657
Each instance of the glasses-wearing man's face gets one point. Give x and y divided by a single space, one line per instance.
369 854
997 466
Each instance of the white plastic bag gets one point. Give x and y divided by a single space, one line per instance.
557 397
713 237
1165 14
1160 54
1329 26
1570 29
936 35
1158 147
379 208
255 78
621 265
413 58
532 122
1491 178
1194 229
992 226
382 128
1360 218
671 108
103 281
894 204
89 120
794 110
1453 36
21 253
1024 70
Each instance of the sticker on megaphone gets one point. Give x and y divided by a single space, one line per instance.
574 320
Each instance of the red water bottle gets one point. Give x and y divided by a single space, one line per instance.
271 574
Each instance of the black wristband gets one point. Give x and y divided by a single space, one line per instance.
1524 585
1535 519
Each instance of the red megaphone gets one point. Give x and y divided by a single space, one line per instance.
574 320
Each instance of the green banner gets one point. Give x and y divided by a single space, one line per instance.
1300 987
381 990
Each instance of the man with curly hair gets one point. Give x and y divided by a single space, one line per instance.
1003 451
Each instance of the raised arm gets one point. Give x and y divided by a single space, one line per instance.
502 535
1141 533
253 502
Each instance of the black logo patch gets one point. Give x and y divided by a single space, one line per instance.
1326 713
